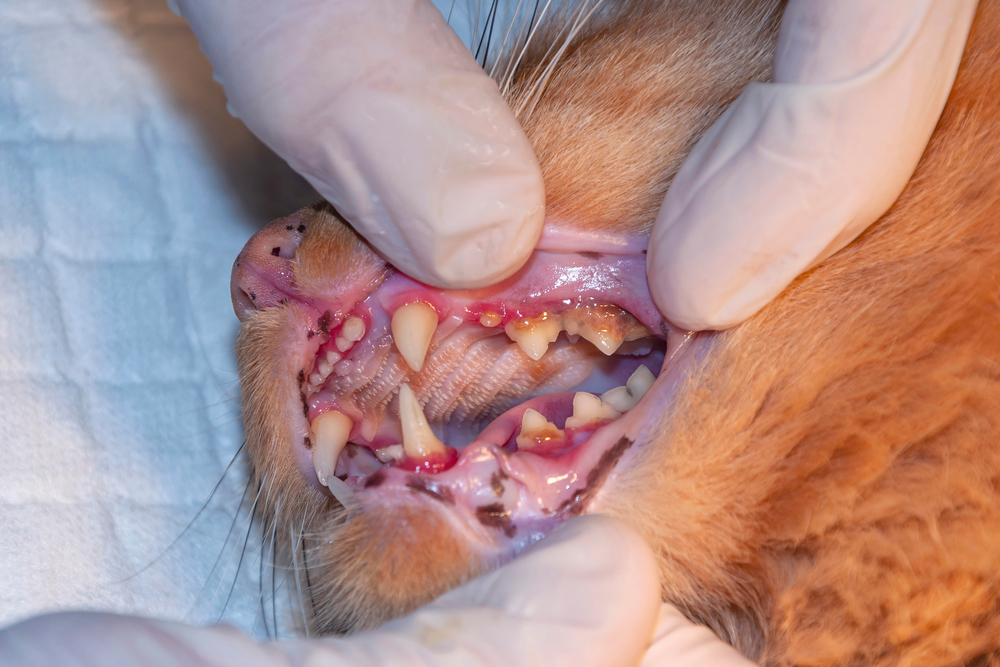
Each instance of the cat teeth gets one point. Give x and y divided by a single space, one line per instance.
353 329
626 398
419 441
330 432
533 334
413 326
536 430
390 453
588 408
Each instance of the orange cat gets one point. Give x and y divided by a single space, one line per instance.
821 484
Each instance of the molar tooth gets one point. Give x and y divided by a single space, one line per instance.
533 334
640 381
588 408
342 344
413 326
390 453
536 430
419 440
353 329
330 430
619 398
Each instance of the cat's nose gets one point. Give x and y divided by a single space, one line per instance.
262 274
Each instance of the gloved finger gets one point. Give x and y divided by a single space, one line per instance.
586 595
678 642
386 113
797 168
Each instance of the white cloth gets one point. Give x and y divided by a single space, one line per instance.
797 168
388 115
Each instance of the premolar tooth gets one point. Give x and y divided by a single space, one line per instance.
536 430
419 440
588 408
533 334
413 326
353 329
390 453
330 432
626 398
602 339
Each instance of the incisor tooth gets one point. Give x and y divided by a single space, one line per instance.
330 432
353 329
536 430
342 343
390 453
419 440
534 334
413 326
588 408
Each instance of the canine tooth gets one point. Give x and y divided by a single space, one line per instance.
534 334
353 329
332 357
330 430
413 326
316 380
325 368
536 429
588 408
490 319
341 491
640 381
418 440
390 453
342 344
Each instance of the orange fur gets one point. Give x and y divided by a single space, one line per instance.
826 487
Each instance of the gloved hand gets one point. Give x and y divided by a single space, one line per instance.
797 168
386 113
588 594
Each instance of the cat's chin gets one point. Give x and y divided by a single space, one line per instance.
416 417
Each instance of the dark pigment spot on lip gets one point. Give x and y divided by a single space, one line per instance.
324 323
592 255
308 442
375 479
253 296
301 229
495 515
496 482
276 251
609 459
289 227
438 493
305 404
301 378
310 334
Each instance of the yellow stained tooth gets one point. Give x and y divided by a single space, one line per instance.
533 334
413 326
588 408
419 440
536 430
639 382
330 432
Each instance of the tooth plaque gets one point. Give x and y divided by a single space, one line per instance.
537 431
588 408
533 334
605 326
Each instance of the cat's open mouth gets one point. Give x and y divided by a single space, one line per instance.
510 405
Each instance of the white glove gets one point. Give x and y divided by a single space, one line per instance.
797 168
386 113
588 594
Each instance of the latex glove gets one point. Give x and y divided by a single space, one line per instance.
588 594
386 113
797 168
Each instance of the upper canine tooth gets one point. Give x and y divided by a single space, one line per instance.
536 430
413 326
353 329
588 408
419 440
330 430
533 334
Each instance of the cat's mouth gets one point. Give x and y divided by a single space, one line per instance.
508 406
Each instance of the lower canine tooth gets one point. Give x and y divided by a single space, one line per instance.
413 326
330 431
588 408
419 440
536 430
533 334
